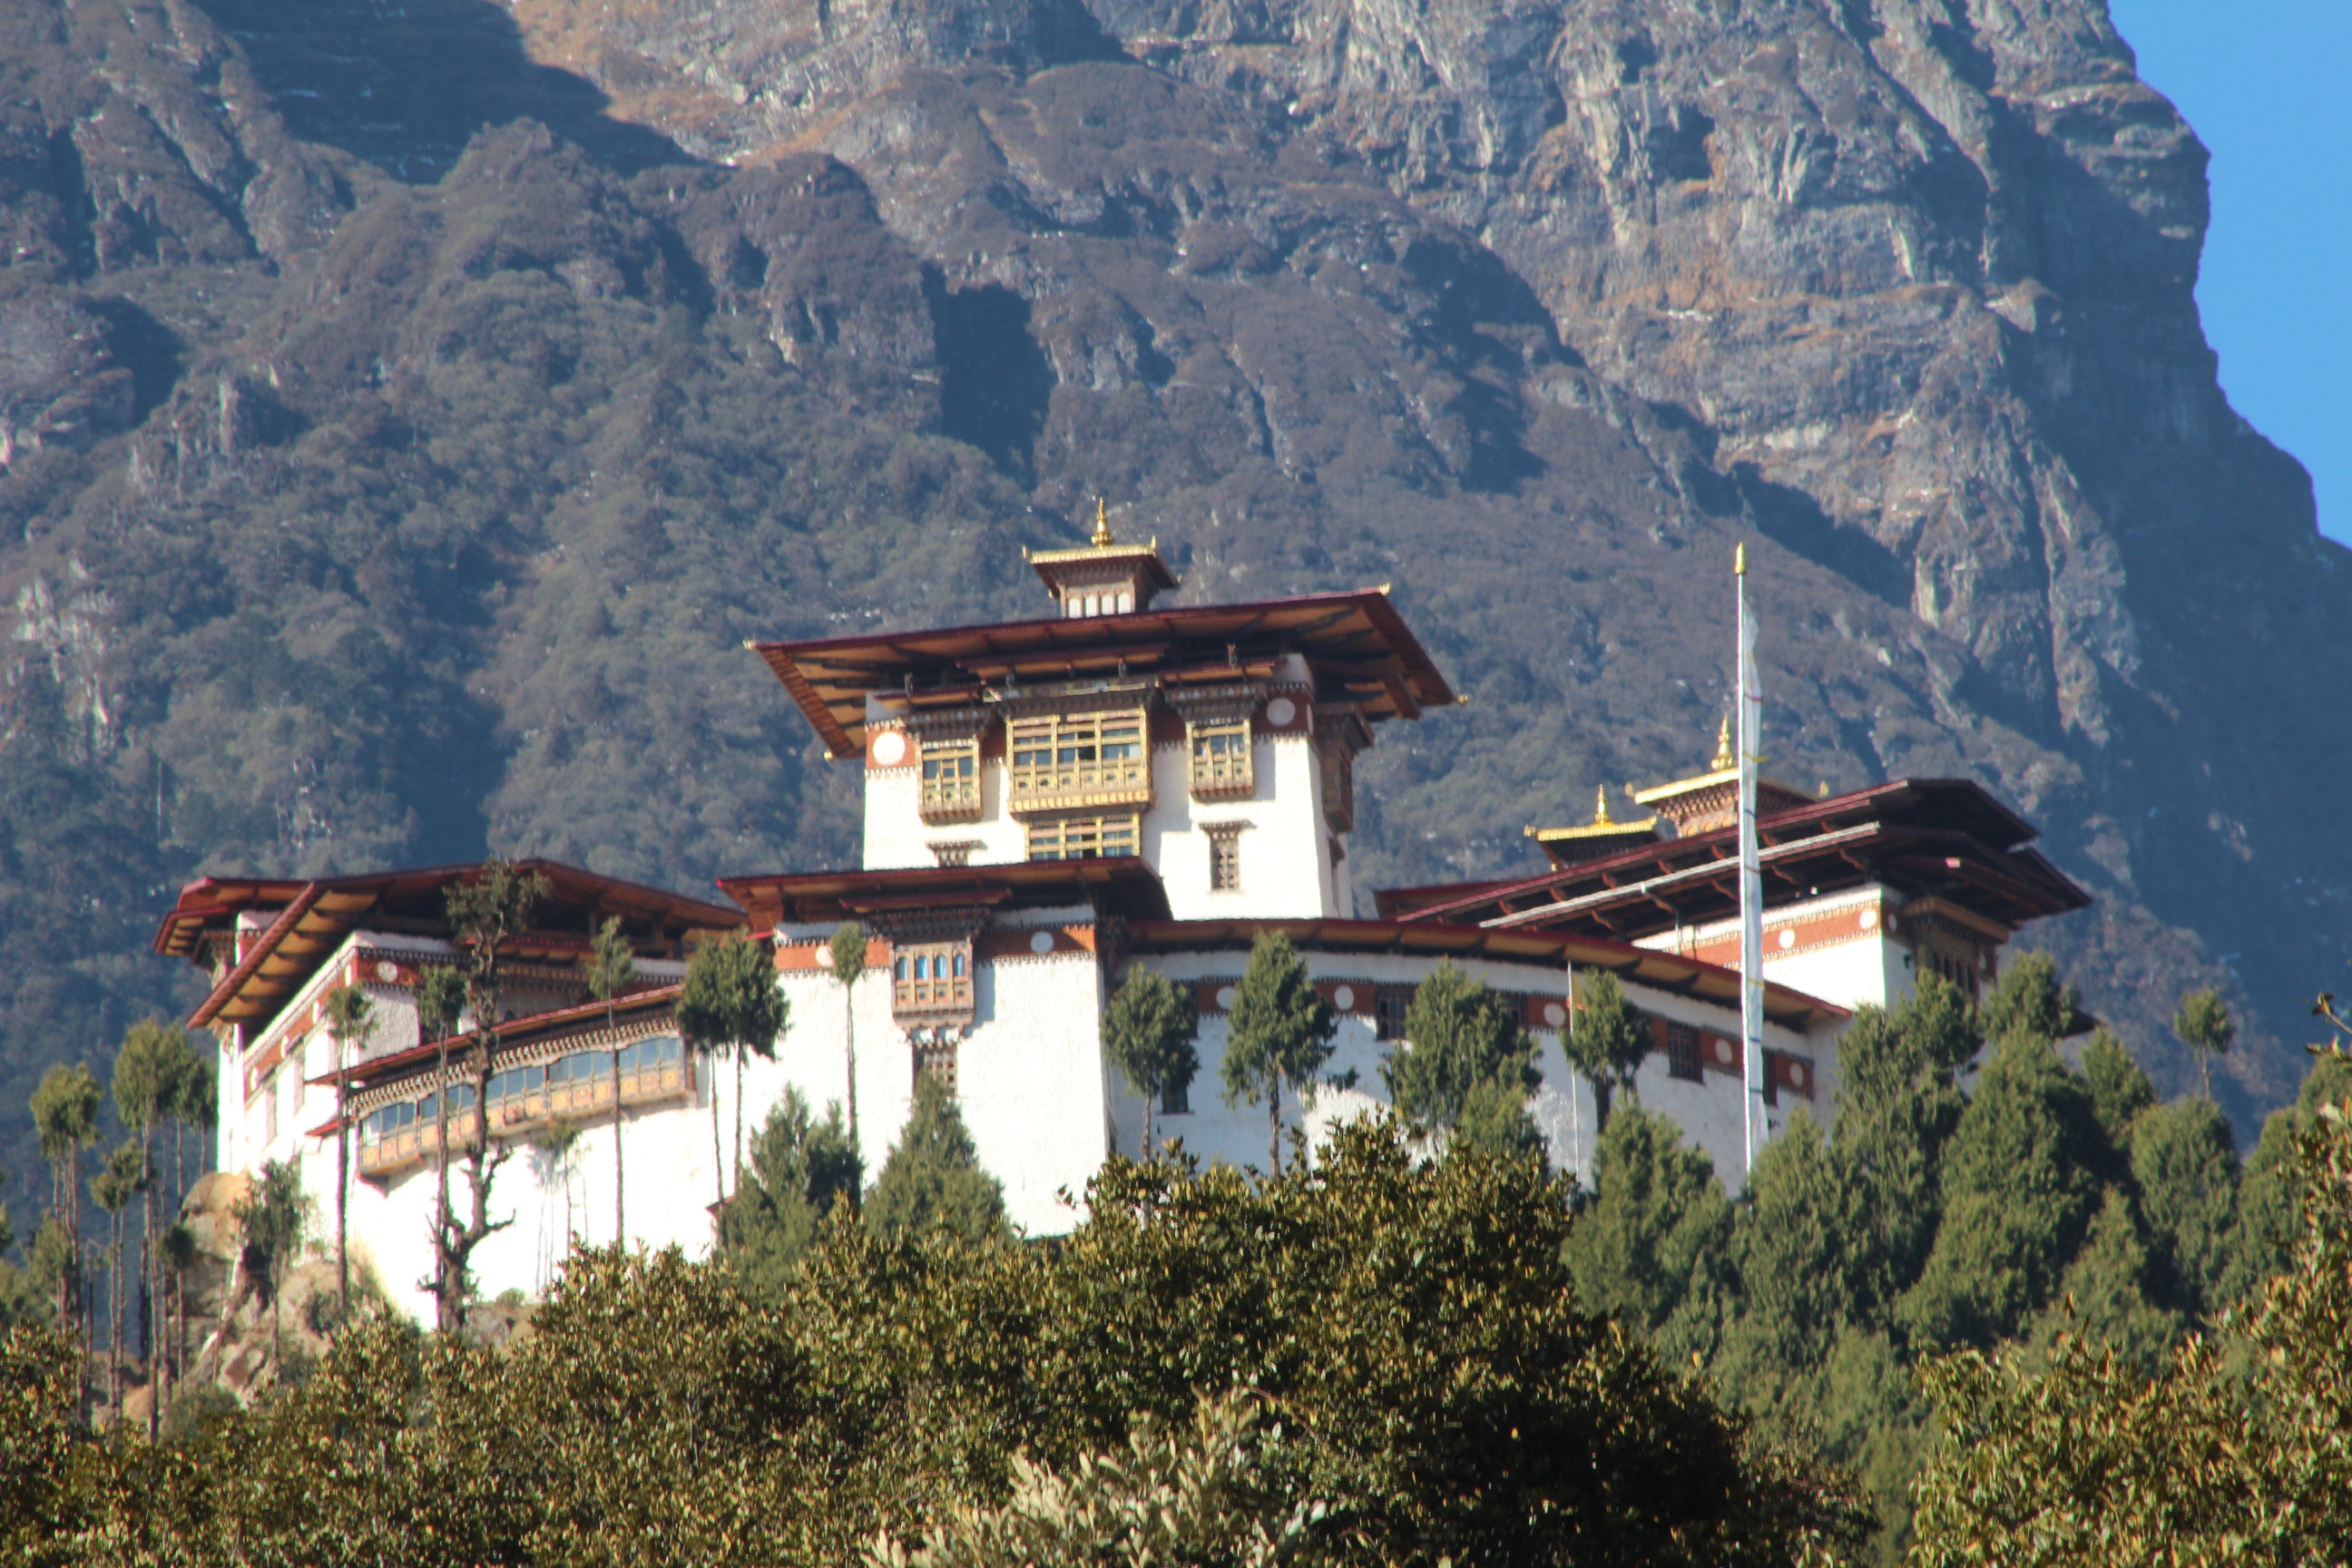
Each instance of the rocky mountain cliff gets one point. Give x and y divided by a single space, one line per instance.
405 413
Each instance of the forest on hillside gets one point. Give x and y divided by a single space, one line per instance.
2011 1306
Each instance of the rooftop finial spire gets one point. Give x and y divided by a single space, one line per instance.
1102 524
1601 817
1724 756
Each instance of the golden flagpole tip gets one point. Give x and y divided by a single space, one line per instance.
1739 559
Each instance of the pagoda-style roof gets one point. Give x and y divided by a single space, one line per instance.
1124 886
308 920
1646 966
1601 835
1358 646
1943 838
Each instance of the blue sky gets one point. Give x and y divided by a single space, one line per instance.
2268 86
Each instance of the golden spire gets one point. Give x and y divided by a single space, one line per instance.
1601 817
1102 524
1724 756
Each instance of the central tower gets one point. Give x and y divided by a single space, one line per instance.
1216 743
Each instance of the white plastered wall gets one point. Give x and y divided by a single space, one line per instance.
1563 1107
1838 948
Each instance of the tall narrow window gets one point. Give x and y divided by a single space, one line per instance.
1221 757
937 1059
1176 1099
950 790
1224 857
1683 1059
1390 1003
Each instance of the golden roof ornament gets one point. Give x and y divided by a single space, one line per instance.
1725 757
1601 817
1102 524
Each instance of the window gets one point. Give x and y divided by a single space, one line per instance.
1224 857
1089 837
1176 1099
950 779
1339 787
1683 1056
932 980
1221 757
937 1059
1390 1003
1078 759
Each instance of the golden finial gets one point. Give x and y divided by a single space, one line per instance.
1601 817
1723 755
1102 524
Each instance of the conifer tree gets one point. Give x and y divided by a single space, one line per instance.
486 912
611 968
845 960
801 1169
2019 1185
1606 1041
1279 1031
2112 1292
933 1178
274 1216
440 1003
1464 1062
1898 1102
143 1082
1148 1031
65 1114
2204 1023
2119 1089
1788 1247
350 1017
2184 1160
1652 1248
730 999
121 1179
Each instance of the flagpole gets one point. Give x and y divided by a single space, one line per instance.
1752 877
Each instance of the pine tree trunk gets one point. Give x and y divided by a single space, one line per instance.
1149 1096
343 1193
1273 1120
441 1214
849 1019
718 1150
151 1263
620 1177
739 1054
114 1314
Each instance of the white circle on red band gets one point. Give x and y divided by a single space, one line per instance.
1788 938
1554 1013
1281 711
1225 997
889 748
1344 997
1042 942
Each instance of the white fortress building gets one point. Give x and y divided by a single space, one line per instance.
1048 805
